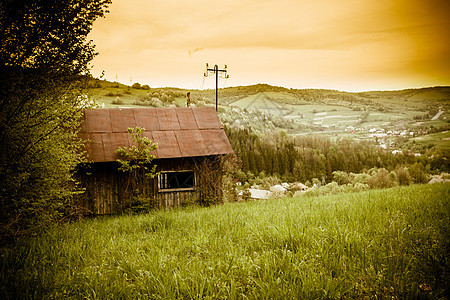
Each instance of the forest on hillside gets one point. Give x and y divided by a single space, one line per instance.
309 157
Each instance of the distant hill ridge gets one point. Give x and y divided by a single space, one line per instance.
419 99
264 87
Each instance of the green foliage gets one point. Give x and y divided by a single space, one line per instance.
139 156
136 85
137 163
403 176
305 157
154 102
141 204
265 182
111 94
362 178
117 101
380 179
44 60
301 158
333 188
246 195
375 244
358 187
230 166
158 98
210 171
342 177
229 187
418 173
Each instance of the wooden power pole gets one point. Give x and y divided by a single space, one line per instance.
216 71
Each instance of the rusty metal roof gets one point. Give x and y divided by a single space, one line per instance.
179 132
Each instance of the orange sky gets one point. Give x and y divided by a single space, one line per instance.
349 45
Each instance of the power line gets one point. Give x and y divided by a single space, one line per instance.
216 71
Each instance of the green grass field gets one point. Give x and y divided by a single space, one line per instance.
102 96
376 244
329 115
440 140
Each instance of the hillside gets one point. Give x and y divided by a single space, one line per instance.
376 244
389 118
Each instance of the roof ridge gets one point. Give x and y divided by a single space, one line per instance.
184 132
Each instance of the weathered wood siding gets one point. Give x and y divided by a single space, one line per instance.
106 190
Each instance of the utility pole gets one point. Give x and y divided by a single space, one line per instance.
216 71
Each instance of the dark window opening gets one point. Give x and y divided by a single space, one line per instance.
176 180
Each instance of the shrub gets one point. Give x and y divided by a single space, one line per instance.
381 179
155 102
418 173
145 101
246 195
331 188
361 178
142 204
316 182
229 189
137 163
299 193
117 101
403 177
358 187
111 94
342 177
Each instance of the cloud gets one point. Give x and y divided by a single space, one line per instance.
190 52
366 38
284 24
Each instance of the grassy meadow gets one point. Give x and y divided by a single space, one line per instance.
375 244
440 140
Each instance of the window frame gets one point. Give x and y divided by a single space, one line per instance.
161 189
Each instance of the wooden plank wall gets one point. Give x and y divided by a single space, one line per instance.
176 199
102 189
106 187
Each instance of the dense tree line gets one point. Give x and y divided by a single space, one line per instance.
302 158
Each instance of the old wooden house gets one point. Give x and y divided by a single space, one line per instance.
190 141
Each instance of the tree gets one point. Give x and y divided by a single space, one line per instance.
137 163
44 63
380 179
139 156
403 176
418 173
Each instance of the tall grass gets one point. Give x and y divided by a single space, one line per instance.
385 243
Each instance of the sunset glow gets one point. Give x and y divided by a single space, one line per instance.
346 45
